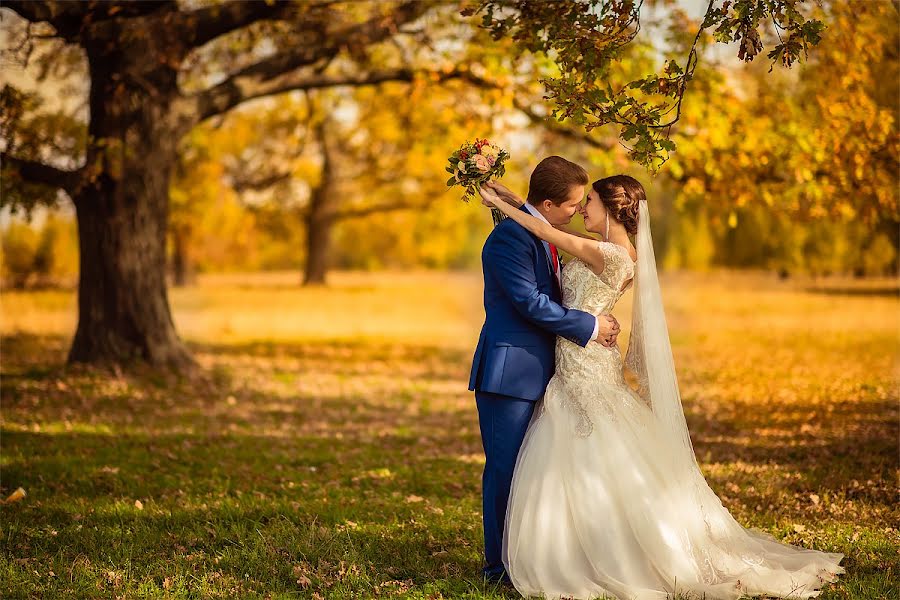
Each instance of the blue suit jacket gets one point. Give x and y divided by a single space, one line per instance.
523 315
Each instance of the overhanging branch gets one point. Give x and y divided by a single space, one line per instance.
359 213
553 125
238 89
36 172
544 121
284 71
69 17
205 24
64 16
244 184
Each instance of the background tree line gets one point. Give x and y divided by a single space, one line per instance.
234 210
310 136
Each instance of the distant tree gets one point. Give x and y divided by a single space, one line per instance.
39 256
20 243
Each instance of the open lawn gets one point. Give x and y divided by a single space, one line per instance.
333 450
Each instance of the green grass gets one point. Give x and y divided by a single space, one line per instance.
343 462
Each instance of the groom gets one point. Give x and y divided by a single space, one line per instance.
515 356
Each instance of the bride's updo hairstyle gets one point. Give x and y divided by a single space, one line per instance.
620 195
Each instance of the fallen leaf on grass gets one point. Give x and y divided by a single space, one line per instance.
15 496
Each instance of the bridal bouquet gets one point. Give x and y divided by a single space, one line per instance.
473 165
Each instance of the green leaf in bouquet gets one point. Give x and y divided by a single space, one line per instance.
451 182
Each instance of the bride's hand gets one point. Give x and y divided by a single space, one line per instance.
504 193
488 196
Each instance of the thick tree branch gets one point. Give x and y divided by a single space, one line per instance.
383 26
68 16
32 10
263 182
205 24
132 8
230 94
358 213
282 72
36 172
64 16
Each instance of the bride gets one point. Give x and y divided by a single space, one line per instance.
607 498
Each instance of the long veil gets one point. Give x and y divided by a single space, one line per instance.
649 354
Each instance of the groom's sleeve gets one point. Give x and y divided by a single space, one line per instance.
509 260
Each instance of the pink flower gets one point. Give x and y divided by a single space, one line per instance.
481 163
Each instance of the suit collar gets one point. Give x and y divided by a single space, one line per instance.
534 212
527 208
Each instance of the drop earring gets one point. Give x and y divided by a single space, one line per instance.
606 237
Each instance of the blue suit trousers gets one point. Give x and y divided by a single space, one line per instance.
503 421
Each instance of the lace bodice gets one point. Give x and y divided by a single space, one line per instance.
585 290
584 371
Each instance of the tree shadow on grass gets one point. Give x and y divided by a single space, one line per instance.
264 477
243 503
886 291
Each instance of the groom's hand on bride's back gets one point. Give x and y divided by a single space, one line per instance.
608 330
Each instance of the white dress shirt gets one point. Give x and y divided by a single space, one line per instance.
535 213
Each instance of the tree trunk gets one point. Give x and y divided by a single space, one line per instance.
318 245
320 217
122 210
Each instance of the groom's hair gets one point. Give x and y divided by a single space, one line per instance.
553 178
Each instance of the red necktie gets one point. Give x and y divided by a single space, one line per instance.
555 256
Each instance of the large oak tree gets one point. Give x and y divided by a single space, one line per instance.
136 53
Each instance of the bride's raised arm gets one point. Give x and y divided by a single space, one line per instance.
504 193
510 197
585 248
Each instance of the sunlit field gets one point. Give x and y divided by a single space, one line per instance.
332 449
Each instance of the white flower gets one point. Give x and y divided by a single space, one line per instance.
489 151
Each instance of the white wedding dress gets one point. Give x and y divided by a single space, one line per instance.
596 508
